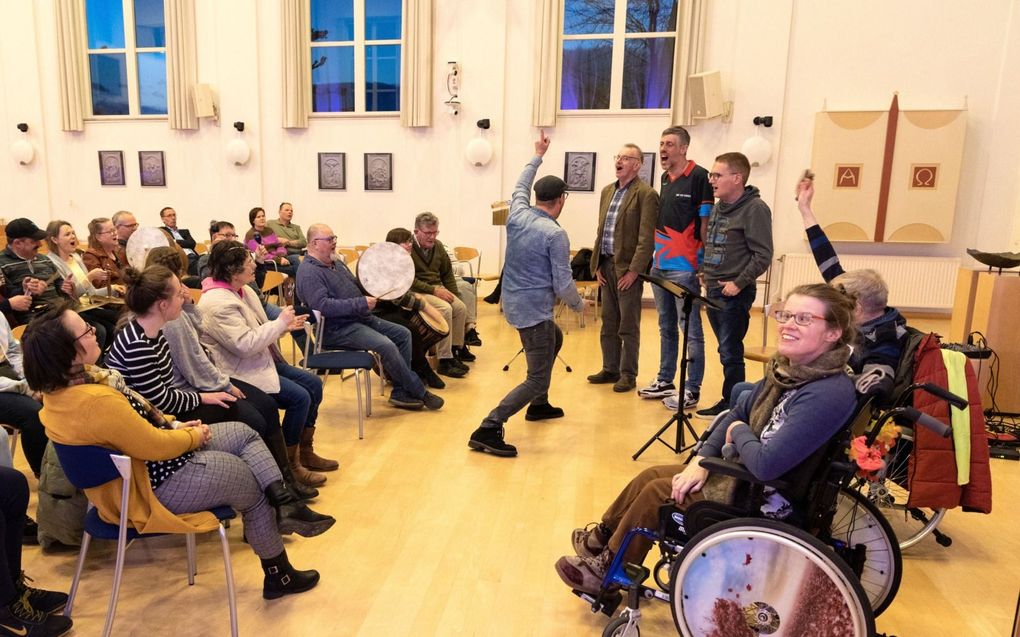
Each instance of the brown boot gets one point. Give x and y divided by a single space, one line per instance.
301 474
308 456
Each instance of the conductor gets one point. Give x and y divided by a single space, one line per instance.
536 272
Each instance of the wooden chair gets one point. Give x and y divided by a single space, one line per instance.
360 249
349 255
201 247
196 295
764 352
273 281
589 290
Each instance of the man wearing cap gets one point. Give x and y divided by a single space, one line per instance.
536 272
623 250
30 281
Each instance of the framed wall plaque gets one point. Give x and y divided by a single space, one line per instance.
647 172
378 171
332 171
151 169
579 171
111 167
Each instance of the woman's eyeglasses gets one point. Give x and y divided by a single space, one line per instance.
804 319
91 329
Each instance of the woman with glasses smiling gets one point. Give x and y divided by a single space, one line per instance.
778 429
105 253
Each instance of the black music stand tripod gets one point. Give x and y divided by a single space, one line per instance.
680 418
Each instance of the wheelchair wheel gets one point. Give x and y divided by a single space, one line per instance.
858 521
890 495
751 576
661 573
618 628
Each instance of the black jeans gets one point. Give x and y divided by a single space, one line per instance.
730 327
13 505
542 342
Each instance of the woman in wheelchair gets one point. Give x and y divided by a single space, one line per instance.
180 468
776 429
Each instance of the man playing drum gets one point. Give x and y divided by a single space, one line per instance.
329 287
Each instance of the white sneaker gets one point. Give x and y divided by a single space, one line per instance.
657 389
690 400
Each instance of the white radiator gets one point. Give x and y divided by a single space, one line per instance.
915 283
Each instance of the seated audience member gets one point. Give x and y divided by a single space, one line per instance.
434 278
193 372
179 468
325 285
401 310
881 330
777 429
224 231
24 611
31 281
125 224
181 237
289 234
242 343
261 235
62 241
104 253
18 404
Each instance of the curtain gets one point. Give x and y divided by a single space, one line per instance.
416 65
71 68
181 63
689 56
297 73
547 52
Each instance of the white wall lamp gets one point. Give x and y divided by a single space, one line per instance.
479 150
22 149
238 150
757 149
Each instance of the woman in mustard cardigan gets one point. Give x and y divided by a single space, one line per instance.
178 468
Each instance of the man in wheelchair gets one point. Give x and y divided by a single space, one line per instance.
778 430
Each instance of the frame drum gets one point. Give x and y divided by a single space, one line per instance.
386 271
141 241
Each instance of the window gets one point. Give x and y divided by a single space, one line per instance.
355 56
126 57
617 54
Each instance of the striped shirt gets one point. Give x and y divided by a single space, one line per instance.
609 231
147 368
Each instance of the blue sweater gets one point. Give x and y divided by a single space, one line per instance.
332 290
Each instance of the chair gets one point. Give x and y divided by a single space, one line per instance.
360 362
196 295
12 431
763 353
88 466
201 247
273 281
360 248
349 255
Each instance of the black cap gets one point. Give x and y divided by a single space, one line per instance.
549 187
21 228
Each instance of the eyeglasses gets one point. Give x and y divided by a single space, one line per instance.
91 329
622 157
127 225
110 231
231 236
804 319
429 233
719 175
331 239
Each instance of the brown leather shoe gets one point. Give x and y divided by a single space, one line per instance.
301 474
309 458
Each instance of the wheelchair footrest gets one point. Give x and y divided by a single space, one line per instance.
606 602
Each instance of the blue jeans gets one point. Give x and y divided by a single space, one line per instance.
541 342
730 327
391 341
299 397
671 326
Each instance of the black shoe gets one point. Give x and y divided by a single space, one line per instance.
461 365
429 378
463 354
603 378
491 439
471 338
298 518
303 492
283 579
624 385
404 401
40 600
31 535
19 618
543 412
432 402
449 367
709 413
491 299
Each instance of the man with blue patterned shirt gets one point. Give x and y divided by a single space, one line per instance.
536 272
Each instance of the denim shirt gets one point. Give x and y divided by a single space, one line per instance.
537 268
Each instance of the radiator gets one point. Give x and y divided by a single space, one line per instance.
915 283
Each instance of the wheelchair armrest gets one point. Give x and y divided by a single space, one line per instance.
740 472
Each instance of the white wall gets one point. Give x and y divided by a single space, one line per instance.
785 58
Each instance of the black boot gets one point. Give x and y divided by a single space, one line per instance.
294 516
283 579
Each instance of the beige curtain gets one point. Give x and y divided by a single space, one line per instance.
416 65
181 63
297 72
71 63
547 54
688 57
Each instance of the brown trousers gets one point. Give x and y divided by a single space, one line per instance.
638 505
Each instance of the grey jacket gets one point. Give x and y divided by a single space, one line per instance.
738 247
193 371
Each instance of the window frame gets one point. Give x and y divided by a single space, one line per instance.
618 37
359 44
130 52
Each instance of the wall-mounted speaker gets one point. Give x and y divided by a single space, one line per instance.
705 90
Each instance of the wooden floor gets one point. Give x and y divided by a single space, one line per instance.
433 539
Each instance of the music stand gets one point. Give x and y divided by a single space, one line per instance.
680 418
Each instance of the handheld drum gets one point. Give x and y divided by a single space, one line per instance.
386 271
140 242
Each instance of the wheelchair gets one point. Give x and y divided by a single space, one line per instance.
828 569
